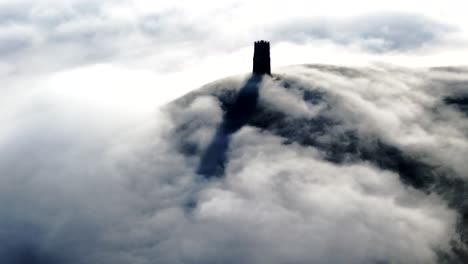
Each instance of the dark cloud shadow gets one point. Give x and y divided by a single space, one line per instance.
237 114
460 102
28 254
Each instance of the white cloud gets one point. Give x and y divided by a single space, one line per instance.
92 172
92 189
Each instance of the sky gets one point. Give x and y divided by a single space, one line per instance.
97 167
133 55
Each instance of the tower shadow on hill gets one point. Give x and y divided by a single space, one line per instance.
237 114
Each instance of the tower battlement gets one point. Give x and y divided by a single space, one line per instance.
261 59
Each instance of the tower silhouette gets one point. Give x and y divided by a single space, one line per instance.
261 59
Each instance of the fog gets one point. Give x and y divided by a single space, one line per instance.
80 186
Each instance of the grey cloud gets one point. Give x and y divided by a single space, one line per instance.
11 45
376 33
78 33
71 33
171 27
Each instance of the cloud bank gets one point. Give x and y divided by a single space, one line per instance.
335 165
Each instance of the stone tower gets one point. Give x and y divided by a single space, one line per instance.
261 59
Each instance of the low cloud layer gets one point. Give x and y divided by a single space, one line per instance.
297 186
333 165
